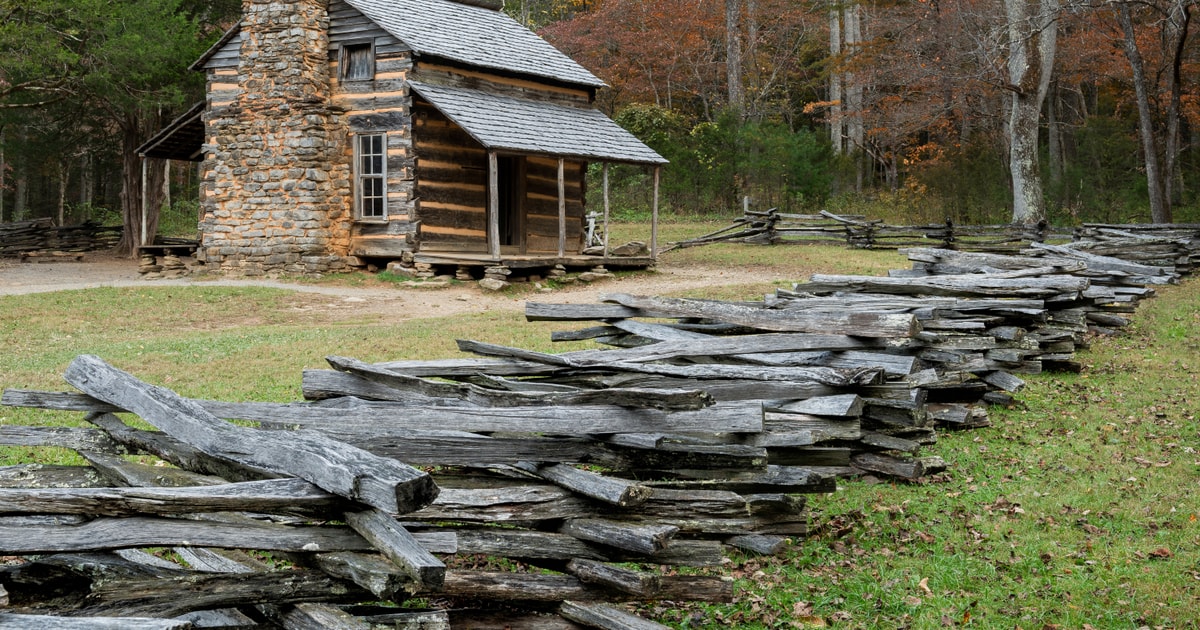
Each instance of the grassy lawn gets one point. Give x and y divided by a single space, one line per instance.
1078 508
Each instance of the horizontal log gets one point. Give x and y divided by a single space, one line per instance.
50 476
424 390
645 539
126 533
76 439
863 324
638 583
47 622
279 496
527 587
338 468
535 545
169 597
567 420
968 285
606 617
765 346
611 490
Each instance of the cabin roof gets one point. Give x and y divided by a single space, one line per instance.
182 139
473 35
506 123
470 35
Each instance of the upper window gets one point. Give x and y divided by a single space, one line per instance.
358 62
370 175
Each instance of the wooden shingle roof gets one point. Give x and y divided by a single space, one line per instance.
506 123
475 36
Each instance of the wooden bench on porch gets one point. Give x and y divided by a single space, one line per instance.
164 256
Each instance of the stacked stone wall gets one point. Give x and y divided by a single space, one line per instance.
277 186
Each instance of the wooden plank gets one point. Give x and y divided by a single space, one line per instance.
48 622
562 210
168 597
76 439
375 573
513 587
278 496
864 324
735 416
399 546
638 583
310 616
968 285
425 390
646 539
711 346
120 472
611 490
136 532
828 376
335 467
493 216
536 545
761 544
605 617
50 476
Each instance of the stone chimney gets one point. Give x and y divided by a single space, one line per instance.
277 181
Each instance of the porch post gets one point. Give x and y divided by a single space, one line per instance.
606 211
654 215
145 203
493 218
562 210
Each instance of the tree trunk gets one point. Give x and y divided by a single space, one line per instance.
733 56
21 191
1029 81
86 179
1054 137
1159 212
836 125
852 38
61 203
3 174
133 218
1178 23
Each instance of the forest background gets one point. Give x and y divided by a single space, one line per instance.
980 111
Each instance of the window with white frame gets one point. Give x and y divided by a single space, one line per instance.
370 175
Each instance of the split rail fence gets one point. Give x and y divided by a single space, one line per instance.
773 227
41 236
525 489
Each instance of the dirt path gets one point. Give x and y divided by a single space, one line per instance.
96 270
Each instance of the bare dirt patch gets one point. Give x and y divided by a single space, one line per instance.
334 300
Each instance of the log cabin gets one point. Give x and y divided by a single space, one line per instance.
438 133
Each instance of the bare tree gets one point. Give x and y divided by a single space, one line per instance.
1032 43
1159 212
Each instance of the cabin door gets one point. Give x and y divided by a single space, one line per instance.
511 181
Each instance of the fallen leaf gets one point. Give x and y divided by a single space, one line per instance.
1162 553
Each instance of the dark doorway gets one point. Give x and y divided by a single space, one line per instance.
511 180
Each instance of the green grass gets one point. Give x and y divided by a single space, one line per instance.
1079 507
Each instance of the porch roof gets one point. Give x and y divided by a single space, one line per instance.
510 124
182 139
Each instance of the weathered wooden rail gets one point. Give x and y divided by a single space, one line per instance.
773 227
28 238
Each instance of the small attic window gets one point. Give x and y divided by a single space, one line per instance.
358 61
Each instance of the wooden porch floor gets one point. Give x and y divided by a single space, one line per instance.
528 261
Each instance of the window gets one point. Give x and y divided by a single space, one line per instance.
370 175
358 62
